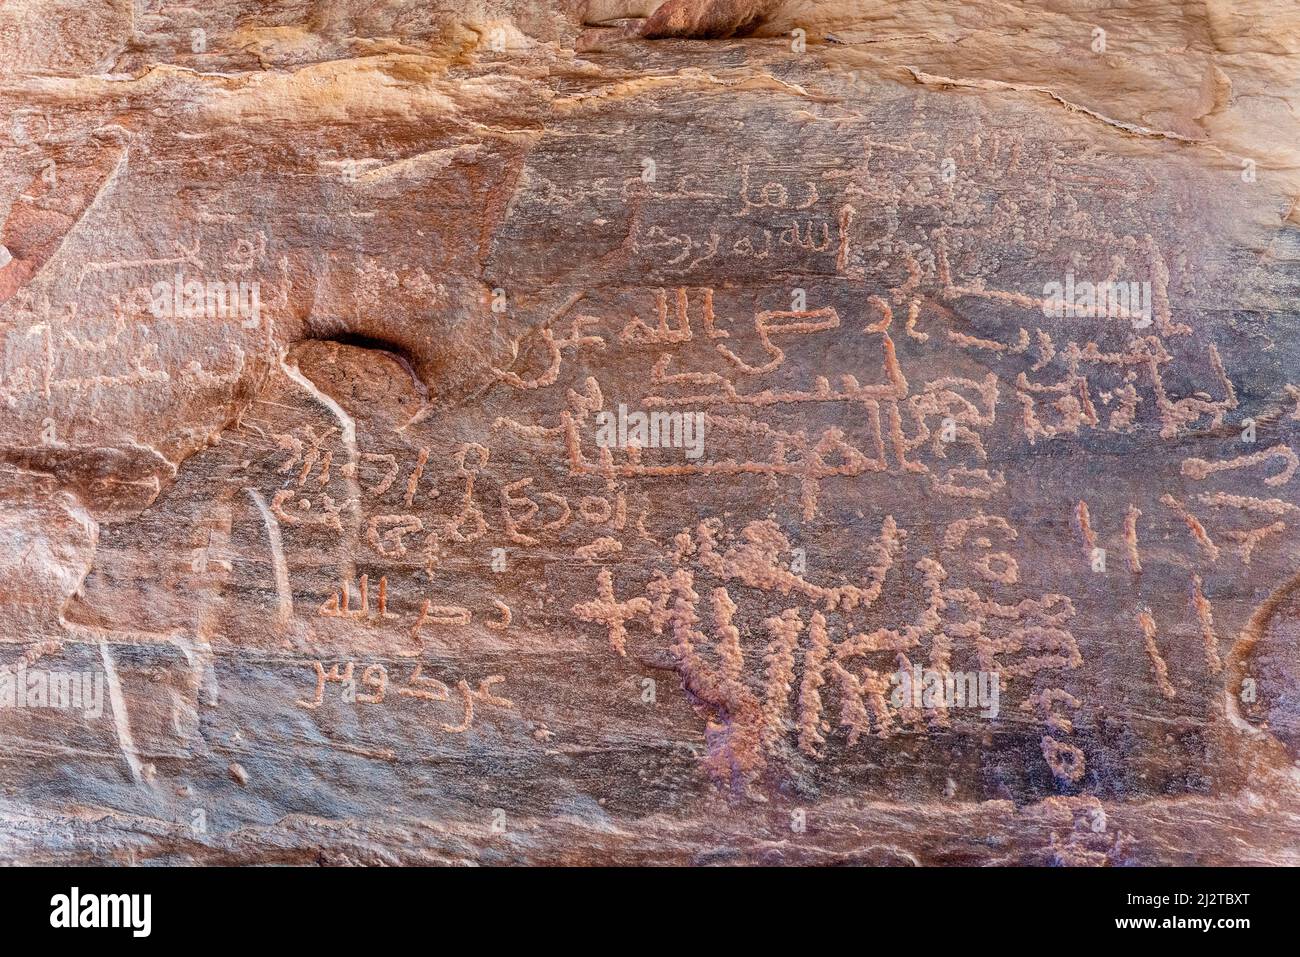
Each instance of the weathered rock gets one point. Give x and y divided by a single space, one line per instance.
354 575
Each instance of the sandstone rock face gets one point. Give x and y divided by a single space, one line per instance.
331 531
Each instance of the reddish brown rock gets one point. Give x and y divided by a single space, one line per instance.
317 326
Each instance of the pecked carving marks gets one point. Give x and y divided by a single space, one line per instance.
666 407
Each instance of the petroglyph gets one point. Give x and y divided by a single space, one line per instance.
375 550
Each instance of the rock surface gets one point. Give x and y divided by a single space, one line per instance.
336 547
